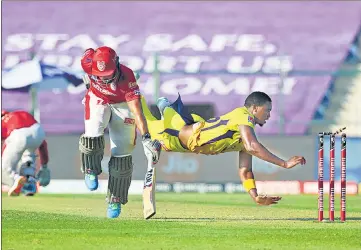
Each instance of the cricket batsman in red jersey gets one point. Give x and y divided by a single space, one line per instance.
21 137
112 100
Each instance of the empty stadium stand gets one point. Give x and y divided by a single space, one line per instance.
341 105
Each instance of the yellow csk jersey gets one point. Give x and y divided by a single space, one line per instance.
213 136
221 134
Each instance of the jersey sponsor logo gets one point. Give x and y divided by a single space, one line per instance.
129 121
132 85
103 91
101 65
251 120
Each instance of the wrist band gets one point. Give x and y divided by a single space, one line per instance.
249 184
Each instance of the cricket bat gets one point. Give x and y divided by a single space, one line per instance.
149 208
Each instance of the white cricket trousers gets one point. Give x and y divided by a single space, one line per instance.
117 117
21 144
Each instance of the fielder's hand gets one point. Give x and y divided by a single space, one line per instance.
265 200
43 176
152 149
295 160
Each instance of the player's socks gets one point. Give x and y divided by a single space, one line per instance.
91 181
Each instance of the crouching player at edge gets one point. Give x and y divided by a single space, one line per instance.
22 136
181 131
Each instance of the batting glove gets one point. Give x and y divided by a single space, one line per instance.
152 148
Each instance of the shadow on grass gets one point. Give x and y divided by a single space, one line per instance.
249 219
13 215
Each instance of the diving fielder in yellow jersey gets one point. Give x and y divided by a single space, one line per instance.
181 131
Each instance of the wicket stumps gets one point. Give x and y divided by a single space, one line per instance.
332 176
343 177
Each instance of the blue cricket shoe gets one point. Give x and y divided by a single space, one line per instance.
162 103
91 180
114 207
113 210
29 188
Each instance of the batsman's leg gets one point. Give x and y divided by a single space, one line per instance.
92 152
91 143
122 142
120 177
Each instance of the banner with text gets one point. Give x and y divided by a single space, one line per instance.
204 56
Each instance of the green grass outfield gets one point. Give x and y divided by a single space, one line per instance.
183 221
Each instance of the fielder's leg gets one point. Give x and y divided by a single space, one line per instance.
188 118
91 143
146 111
162 103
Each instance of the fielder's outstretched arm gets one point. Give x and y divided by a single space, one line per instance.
249 184
254 147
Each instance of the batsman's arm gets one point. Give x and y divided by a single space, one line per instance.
152 148
255 148
246 174
135 107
